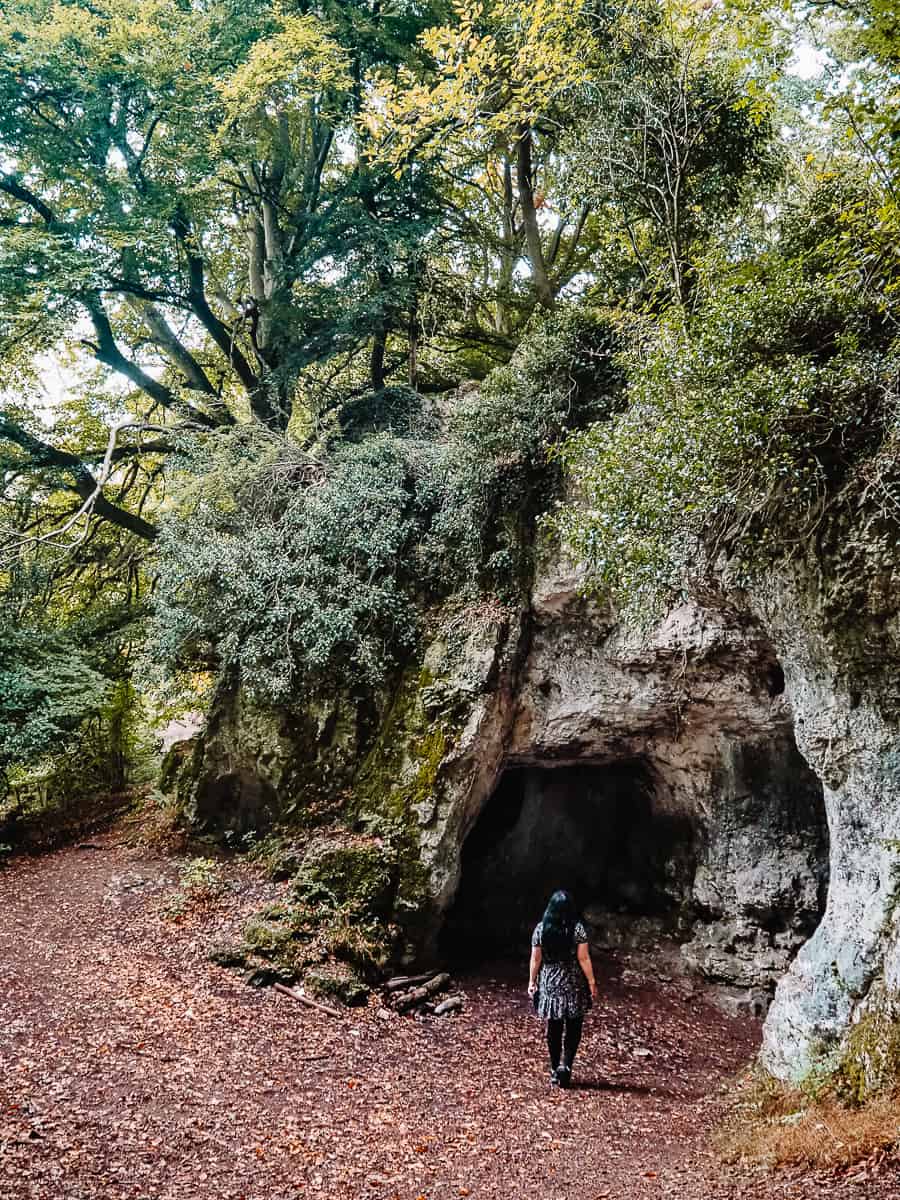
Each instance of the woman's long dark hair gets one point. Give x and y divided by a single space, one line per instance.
558 925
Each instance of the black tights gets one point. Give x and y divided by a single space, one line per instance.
567 1044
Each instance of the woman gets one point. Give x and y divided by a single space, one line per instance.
562 975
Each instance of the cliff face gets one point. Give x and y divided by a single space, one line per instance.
660 780
836 1006
727 779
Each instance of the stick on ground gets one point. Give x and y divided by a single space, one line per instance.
325 1008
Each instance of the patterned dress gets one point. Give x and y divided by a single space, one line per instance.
562 988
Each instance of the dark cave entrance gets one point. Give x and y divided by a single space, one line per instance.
607 833
239 801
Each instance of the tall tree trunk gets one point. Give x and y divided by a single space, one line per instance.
413 349
540 276
376 359
413 330
508 252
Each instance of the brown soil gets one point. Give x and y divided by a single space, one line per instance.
131 1068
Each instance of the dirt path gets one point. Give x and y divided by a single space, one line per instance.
131 1068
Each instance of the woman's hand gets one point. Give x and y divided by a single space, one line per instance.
584 961
534 967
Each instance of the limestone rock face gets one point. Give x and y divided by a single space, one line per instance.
720 837
253 766
729 779
846 725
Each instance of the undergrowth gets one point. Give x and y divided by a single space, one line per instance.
201 883
778 1125
155 823
41 822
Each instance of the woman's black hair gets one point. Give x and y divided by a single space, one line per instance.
558 925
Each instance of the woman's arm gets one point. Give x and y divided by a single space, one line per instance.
584 961
533 967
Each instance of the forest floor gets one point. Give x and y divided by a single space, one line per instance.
131 1068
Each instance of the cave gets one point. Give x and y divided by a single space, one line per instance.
727 860
238 802
610 834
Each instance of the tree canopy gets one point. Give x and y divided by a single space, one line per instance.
272 247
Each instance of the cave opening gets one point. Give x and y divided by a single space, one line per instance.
609 833
717 863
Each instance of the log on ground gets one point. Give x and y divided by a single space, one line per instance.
407 1000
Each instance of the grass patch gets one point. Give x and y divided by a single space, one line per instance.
777 1125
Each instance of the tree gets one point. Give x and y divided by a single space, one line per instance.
184 191
491 115
674 130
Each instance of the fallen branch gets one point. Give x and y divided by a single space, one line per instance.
407 981
407 1000
451 1004
325 1008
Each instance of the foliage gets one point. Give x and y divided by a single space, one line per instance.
295 572
649 120
189 224
261 238
503 472
48 689
675 133
290 579
500 66
64 788
201 882
64 656
741 430
201 877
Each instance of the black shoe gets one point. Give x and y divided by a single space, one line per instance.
564 1076
554 1078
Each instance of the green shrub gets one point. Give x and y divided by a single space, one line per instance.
741 429
49 687
297 573
85 774
291 576
501 469
201 882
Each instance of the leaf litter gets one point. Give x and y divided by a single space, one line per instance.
132 1068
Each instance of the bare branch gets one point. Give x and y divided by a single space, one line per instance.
106 351
88 486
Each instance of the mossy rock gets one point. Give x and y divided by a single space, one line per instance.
278 855
226 955
285 865
175 760
364 945
400 773
260 973
266 939
359 873
336 981
398 788
871 1061
275 912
